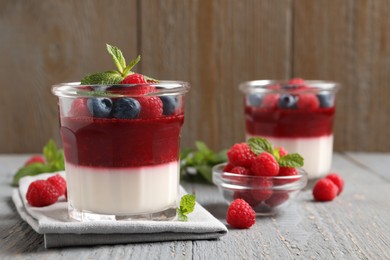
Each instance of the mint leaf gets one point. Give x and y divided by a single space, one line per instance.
259 145
187 205
291 160
30 170
118 58
131 65
103 78
276 154
50 152
205 171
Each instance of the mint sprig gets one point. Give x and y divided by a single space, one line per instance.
291 160
260 145
54 158
187 205
114 77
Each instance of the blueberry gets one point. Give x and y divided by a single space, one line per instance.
126 108
169 104
99 107
326 99
287 101
255 99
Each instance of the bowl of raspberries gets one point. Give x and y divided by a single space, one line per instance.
268 178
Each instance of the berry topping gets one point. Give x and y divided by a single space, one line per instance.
126 108
326 99
282 151
287 101
255 99
41 193
296 81
100 107
151 107
79 108
35 159
265 164
240 170
307 102
169 104
325 190
240 214
270 101
241 155
134 78
59 183
337 180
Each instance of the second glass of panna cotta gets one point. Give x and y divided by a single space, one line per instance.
297 115
121 146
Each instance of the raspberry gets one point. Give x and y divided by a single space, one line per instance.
136 90
240 214
325 190
307 102
337 180
35 159
241 155
228 167
262 189
277 198
282 151
41 193
296 81
151 107
265 164
79 108
240 170
58 182
287 171
270 101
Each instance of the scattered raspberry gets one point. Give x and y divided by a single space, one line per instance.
247 196
325 190
265 164
79 108
277 198
35 159
41 193
307 102
58 182
270 101
151 107
240 214
228 167
241 155
282 151
262 189
240 170
337 180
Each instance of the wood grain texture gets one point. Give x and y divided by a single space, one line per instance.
348 42
354 226
215 45
50 42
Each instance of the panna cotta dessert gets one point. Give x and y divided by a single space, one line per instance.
121 145
297 115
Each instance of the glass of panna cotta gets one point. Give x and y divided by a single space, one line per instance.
297 115
121 147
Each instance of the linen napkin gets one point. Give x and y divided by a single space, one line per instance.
61 231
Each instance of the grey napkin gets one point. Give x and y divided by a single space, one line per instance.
60 231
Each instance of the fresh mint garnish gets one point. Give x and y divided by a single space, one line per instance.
291 160
114 77
276 154
54 162
259 145
196 164
187 205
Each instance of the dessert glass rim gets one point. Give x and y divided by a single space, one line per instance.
314 86
75 89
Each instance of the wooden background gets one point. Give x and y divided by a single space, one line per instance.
214 45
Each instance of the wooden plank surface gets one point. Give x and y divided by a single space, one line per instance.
378 163
348 42
214 45
48 42
354 226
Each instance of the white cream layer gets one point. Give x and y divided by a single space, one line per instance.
317 152
121 191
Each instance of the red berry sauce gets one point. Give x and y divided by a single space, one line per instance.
277 122
108 142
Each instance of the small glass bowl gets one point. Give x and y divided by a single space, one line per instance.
266 195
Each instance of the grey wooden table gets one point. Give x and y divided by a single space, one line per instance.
354 226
